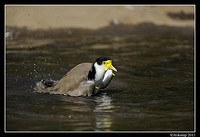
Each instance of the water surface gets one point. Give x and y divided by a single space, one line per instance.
152 91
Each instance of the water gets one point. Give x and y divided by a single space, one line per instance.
152 91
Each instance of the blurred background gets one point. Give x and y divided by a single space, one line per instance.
152 47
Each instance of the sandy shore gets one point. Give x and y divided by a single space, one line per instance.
32 26
93 17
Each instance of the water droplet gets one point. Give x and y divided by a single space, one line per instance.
170 69
164 60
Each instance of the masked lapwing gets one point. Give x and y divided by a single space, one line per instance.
85 79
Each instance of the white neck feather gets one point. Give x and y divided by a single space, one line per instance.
100 70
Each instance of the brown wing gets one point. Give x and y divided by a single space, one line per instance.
73 80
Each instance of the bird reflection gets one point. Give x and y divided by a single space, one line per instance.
95 110
103 111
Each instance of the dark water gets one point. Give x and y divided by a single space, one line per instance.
152 91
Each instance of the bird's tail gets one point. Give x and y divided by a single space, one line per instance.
44 86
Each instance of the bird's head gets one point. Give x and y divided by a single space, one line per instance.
106 61
99 67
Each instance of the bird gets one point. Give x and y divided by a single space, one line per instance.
85 79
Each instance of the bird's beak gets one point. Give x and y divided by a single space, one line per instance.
108 65
113 68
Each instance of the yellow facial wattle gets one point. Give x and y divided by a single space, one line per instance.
108 64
